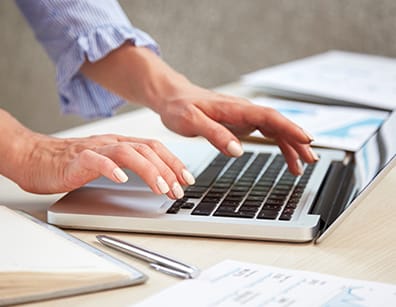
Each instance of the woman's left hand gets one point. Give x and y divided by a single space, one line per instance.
194 111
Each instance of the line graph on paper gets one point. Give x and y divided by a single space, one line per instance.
337 127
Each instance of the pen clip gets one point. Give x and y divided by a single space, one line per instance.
170 271
156 261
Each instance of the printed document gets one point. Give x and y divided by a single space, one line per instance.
331 126
232 283
332 77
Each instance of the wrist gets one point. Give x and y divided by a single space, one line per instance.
12 144
18 146
153 81
136 74
164 89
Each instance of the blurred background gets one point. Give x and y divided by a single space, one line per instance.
212 42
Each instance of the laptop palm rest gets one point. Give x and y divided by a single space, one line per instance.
112 202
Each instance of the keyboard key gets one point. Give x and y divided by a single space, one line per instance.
176 206
190 194
236 214
285 217
272 207
267 214
187 205
251 203
204 209
249 209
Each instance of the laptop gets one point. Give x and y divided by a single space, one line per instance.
250 197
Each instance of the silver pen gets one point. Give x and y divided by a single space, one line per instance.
156 261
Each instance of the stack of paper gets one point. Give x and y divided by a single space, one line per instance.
332 77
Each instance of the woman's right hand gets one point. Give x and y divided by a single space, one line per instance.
44 164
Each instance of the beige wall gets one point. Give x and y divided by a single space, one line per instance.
210 41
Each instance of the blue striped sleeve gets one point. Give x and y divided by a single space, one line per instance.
74 30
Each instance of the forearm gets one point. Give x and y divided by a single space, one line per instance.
136 74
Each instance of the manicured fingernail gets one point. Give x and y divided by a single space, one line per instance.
300 167
235 149
309 136
188 177
314 154
162 185
120 175
177 190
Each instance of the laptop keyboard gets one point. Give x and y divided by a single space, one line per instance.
251 186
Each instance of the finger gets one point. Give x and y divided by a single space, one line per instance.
164 169
174 163
177 166
293 161
216 134
88 166
305 152
146 164
266 119
275 125
126 156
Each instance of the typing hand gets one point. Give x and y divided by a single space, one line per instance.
141 76
219 118
59 165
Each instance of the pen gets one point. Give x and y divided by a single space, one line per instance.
156 261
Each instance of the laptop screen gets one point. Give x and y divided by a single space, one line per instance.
373 156
369 160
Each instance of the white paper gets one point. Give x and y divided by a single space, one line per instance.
29 247
343 76
232 283
337 127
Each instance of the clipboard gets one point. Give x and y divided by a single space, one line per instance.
68 267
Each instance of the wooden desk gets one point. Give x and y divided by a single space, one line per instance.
362 247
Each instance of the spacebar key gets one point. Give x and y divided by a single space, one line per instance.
204 209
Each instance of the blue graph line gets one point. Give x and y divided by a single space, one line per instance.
345 131
345 299
292 111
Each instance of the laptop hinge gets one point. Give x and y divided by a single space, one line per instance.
335 193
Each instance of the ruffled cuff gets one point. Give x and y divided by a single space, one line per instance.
77 93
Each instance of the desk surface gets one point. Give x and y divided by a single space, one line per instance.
362 247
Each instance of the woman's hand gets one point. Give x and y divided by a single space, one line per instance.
191 111
43 164
142 77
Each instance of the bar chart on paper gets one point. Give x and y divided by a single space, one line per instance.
337 127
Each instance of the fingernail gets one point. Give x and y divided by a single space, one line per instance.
314 154
120 175
177 190
300 167
162 185
188 177
235 149
309 136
